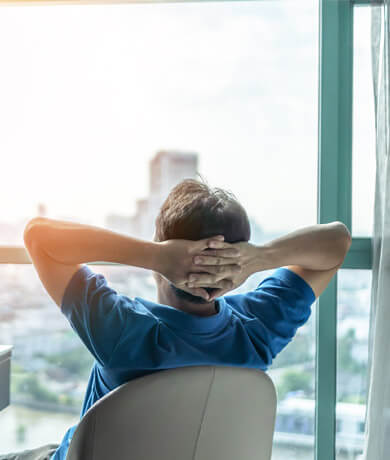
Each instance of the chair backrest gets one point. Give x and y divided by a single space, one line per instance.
187 413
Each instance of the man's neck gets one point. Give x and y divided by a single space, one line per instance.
199 309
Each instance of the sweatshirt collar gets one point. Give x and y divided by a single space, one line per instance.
178 319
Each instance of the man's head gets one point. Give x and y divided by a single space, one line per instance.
194 211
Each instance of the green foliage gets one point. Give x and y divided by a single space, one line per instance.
293 380
346 362
355 399
21 431
16 379
296 352
16 368
74 365
76 362
66 400
31 386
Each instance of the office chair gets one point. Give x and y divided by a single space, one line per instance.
187 413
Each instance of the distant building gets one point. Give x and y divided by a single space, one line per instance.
166 169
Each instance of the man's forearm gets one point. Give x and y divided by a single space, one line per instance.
318 247
72 243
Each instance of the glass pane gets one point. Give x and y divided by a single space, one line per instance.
354 291
83 113
363 151
113 115
293 372
50 365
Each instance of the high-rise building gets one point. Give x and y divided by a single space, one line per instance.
166 169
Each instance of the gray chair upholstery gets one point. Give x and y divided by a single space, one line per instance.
187 413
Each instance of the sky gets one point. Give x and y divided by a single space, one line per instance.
89 94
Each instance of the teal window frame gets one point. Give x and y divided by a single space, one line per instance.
334 194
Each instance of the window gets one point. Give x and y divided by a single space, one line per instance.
354 286
339 200
98 105
50 365
363 147
111 119
354 290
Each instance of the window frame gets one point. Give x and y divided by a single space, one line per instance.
334 189
334 196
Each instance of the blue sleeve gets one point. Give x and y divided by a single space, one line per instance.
275 309
98 314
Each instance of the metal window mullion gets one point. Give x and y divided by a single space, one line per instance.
16 255
359 255
334 195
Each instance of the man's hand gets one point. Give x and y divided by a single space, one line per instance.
177 259
211 271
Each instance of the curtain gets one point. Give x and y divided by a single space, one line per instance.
377 432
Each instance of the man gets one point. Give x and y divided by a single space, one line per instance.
200 252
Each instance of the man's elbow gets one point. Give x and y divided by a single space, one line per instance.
344 239
33 231
345 234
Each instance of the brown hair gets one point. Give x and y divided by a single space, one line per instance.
194 211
